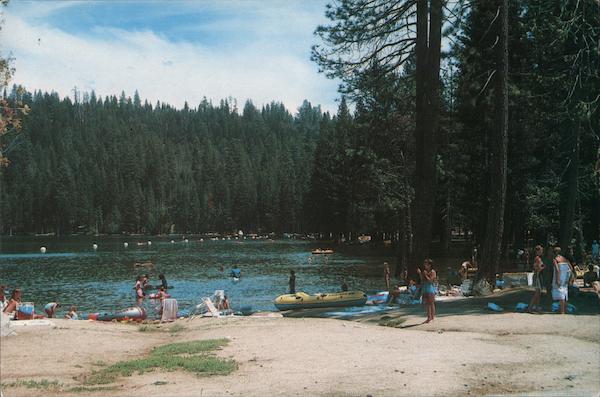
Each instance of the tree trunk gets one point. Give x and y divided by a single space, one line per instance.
568 191
429 26
446 226
498 143
403 235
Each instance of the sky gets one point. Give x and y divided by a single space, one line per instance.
173 51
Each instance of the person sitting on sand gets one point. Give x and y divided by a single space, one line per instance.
395 292
292 282
590 276
50 308
412 289
428 279
538 283
13 302
163 281
344 285
72 314
463 271
225 303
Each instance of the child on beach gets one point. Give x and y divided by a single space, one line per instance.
50 308
538 267
428 279
72 314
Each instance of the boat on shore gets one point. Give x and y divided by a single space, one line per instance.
302 300
132 313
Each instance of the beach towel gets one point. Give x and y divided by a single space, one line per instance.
570 307
561 292
169 310
5 326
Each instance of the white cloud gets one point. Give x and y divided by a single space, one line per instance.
112 60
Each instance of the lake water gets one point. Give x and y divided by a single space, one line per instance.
71 272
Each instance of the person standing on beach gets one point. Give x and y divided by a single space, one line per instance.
292 282
595 251
560 282
386 275
548 272
538 267
428 279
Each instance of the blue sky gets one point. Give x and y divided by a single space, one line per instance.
171 51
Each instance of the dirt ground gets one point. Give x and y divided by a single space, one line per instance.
467 350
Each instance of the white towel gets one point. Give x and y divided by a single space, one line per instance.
169 310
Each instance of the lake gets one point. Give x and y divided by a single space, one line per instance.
72 272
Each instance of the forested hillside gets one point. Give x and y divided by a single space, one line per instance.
118 165
498 138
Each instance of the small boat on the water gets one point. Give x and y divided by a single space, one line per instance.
302 300
320 251
132 313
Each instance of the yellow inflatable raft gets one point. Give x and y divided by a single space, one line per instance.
301 300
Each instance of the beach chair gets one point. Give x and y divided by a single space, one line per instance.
205 308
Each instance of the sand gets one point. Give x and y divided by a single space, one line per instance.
475 353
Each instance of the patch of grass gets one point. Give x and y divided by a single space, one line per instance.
194 356
160 383
394 323
148 328
193 347
83 389
99 363
34 384
175 328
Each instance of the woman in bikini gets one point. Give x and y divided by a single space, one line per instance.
428 279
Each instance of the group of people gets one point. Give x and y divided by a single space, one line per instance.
556 272
15 309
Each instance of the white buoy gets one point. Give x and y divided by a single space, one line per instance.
125 245
186 241
240 233
172 241
201 240
43 250
95 246
149 242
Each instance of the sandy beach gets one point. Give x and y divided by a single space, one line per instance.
467 350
